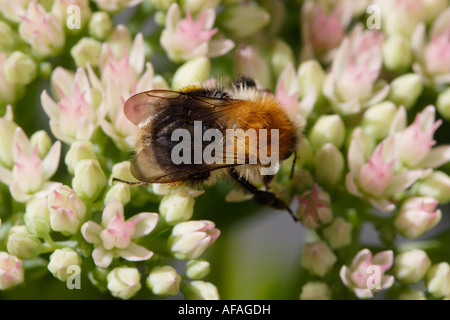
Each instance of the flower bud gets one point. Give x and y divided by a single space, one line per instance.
443 104
164 281
436 186
124 282
79 150
197 269
42 142
251 63
438 280
397 55
240 21
42 30
67 211
281 55
87 50
7 37
37 217
200 290
176 207
339 233
61 261
7 128
310 76
317 258
193 71
191 238
89 179
377 119
327 129
22 243
365 142
314 208
12 272
315 290
411 266
100 25
432 8
411 294
329 165
406 89
416 216
122 171
120 192
19 68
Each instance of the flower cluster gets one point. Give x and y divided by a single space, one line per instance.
369 91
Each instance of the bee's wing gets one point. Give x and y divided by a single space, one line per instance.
160 112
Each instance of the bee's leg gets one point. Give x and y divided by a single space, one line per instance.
137 183
267 179
293 166
262 197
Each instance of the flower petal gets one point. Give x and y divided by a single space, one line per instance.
102 258
219 47
49 105
6 176
382 204
361 256
51 160
384 259
402 181
137 54
146 223
90 231
113 208
387 281
436 157
134 252
351 186
17 193
355 158
363 293
399 121
21 143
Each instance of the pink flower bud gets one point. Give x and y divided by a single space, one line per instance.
11 271
67 211
314 209
416 216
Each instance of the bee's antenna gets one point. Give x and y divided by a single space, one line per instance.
293 166
136 183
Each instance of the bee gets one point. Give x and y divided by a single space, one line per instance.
251 130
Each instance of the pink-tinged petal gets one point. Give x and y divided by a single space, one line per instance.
49 105
402 181
387 282
427 116
146 222
94 80
349 107
6 176
360 257
21 143
111 210
63 79
101 257
173 17
382 204
363 293
399 121
341 58
46 189
17 193
135 252
384 259
91 231
351 186
436 157
220 47
51 161
389 149
82 80
146 80
137 54
209 16
441 24
355 158
85 129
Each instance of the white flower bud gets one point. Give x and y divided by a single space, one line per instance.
193 71
406 89
317 258
241 21
19 68
310 76
201 290
377 119
87 50
22 243
197 269
411 266
339 233
328 129
397 55
438 280
42 141
124 282
61 260
315 290
329 165
89 179
79 150
164 281
37 217
443 104
100 25
436 186
176 207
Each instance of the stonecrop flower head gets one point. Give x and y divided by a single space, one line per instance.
115 236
